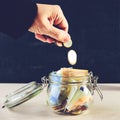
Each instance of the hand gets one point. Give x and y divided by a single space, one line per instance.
50 25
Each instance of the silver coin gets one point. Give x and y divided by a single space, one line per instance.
72 57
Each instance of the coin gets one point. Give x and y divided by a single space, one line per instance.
68 44
72 57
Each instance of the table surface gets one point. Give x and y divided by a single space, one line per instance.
37 109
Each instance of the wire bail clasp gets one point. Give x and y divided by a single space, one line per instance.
93 81
44 81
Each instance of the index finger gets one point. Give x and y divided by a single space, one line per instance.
61 21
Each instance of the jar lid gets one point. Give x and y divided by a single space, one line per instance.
23 94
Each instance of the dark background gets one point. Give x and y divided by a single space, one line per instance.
95 30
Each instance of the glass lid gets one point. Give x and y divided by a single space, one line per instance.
23 94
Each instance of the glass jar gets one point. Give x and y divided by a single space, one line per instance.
71 95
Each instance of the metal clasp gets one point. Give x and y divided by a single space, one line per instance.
44 81
93 80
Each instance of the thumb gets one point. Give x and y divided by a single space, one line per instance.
58 34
